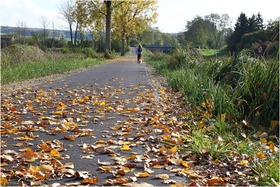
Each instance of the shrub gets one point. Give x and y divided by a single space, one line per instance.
90 53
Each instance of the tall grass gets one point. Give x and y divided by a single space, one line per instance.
240 87
232 89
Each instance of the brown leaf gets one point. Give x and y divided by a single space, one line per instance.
29 155
71 137
93 180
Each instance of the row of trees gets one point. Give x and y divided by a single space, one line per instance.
207 32
251 33
117 19
214 31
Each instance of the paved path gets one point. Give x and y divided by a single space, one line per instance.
103 120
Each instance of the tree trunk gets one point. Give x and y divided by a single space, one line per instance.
127 42
123 46
71 35
108 25
75 36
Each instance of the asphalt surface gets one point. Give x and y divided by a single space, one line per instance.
113 100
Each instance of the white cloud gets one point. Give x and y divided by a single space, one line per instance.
30 12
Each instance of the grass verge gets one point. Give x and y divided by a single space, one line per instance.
233 121
49 64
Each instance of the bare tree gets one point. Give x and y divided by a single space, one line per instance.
66 10
21 31
54 34
45 33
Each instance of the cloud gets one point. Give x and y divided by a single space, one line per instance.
30 12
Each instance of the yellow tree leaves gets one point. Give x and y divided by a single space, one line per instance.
133 17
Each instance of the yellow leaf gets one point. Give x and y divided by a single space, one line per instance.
4 181
263 140
223 117
131 157
185 164
102 103
142 174
177 185
25 138
125 147
174 149
261 155
207 114
57 113
54 153
271 146
101 141
201 124
33 169
243 162
166 137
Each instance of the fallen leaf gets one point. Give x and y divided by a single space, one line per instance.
173 150
216 181
104 163
243 162
162 176
185 164
169 182
55 154
261 155
29 155
71 137
93 180
4 181
141 174
125 147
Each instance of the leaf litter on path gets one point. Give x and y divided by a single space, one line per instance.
143 142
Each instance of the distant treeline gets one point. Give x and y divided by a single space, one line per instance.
29 32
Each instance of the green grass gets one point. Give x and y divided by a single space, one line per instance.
22 62
239 88
29 70
211 53
208 52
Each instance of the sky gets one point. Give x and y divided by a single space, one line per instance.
172 14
